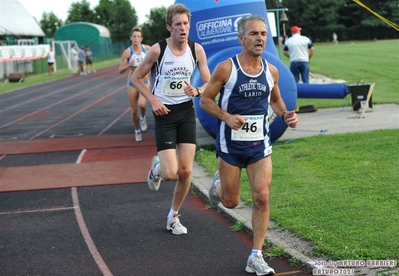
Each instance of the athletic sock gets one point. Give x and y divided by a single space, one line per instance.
172 213
256 251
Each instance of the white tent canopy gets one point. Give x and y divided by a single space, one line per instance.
16 20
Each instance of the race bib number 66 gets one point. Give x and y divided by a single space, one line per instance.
252 130
174 86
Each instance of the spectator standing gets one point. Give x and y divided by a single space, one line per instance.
335 38
299 49
74 57
89 60
50 61
81 60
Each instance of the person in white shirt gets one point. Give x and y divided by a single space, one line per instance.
50 61
74 57
300 50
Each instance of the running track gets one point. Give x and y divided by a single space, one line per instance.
74 198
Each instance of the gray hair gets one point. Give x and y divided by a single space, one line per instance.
244 20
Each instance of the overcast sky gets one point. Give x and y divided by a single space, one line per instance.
60 7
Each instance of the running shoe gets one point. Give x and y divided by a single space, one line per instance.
138 136
213 197
256 264
154 181
143 124
173 223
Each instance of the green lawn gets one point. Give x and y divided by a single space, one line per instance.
369 62
338 191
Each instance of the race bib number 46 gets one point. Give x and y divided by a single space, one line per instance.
252 130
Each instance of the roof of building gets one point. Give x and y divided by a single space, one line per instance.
16 20
103 31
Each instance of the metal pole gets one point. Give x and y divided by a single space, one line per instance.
278 34
277 11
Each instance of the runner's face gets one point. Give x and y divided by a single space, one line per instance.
254 40
180 27
136 38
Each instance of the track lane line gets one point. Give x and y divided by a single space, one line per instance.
77 112
54 104
52 84
113 122
85 231
38 210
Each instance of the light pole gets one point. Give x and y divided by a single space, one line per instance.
283 19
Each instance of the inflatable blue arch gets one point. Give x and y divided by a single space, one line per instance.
214 26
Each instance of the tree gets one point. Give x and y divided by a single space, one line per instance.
80 11
118 16
318 19
353 22
273 4
50 23
154 29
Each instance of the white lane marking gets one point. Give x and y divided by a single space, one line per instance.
37 210
70 135
85 231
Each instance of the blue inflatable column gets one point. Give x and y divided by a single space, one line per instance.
214 26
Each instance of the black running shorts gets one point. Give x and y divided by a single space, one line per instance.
178 126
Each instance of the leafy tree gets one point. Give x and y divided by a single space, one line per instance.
80 11
318 19
273 4
50 23
386 9
118 16
154 29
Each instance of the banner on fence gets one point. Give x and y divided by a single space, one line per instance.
23 52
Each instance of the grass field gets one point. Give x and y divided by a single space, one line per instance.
338 191
369 62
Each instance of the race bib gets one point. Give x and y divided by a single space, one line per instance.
137 61
252 130
174 86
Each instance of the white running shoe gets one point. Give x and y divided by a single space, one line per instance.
213 197
256 264
138 136
143 124
173 223
154 181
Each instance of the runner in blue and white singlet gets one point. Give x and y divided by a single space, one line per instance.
248 89
131 59
248 96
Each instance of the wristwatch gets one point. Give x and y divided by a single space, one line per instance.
199 92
